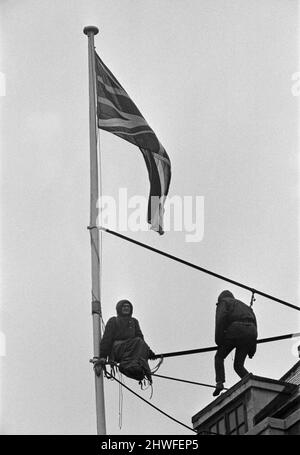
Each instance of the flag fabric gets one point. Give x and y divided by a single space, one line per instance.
118 114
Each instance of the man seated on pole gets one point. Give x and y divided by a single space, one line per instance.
123 343
235 328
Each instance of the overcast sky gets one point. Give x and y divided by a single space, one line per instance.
214 80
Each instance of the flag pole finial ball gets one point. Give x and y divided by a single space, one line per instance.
90 29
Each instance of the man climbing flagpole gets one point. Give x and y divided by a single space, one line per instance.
90 31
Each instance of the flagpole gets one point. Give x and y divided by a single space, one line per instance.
90 31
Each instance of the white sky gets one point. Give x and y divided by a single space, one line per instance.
213 79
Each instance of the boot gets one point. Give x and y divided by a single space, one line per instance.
218 389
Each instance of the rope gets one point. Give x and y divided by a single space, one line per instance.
94 245
120 401
100 213
185 380
145 385
102 324
201 269
156 368
252 299
214 348
155 407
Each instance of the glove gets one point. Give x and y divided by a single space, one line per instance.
151 355
252 351
99 365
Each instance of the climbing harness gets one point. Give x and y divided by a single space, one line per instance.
145 382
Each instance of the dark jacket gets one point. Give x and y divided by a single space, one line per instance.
234 321
119 328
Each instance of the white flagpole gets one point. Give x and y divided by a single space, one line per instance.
90 31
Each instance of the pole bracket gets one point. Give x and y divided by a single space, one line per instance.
94 360
96 307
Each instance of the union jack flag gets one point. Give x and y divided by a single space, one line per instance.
118 114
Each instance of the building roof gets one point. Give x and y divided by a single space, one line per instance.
287 399
239 388
283 401
293 375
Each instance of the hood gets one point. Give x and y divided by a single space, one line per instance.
225 295
120 305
